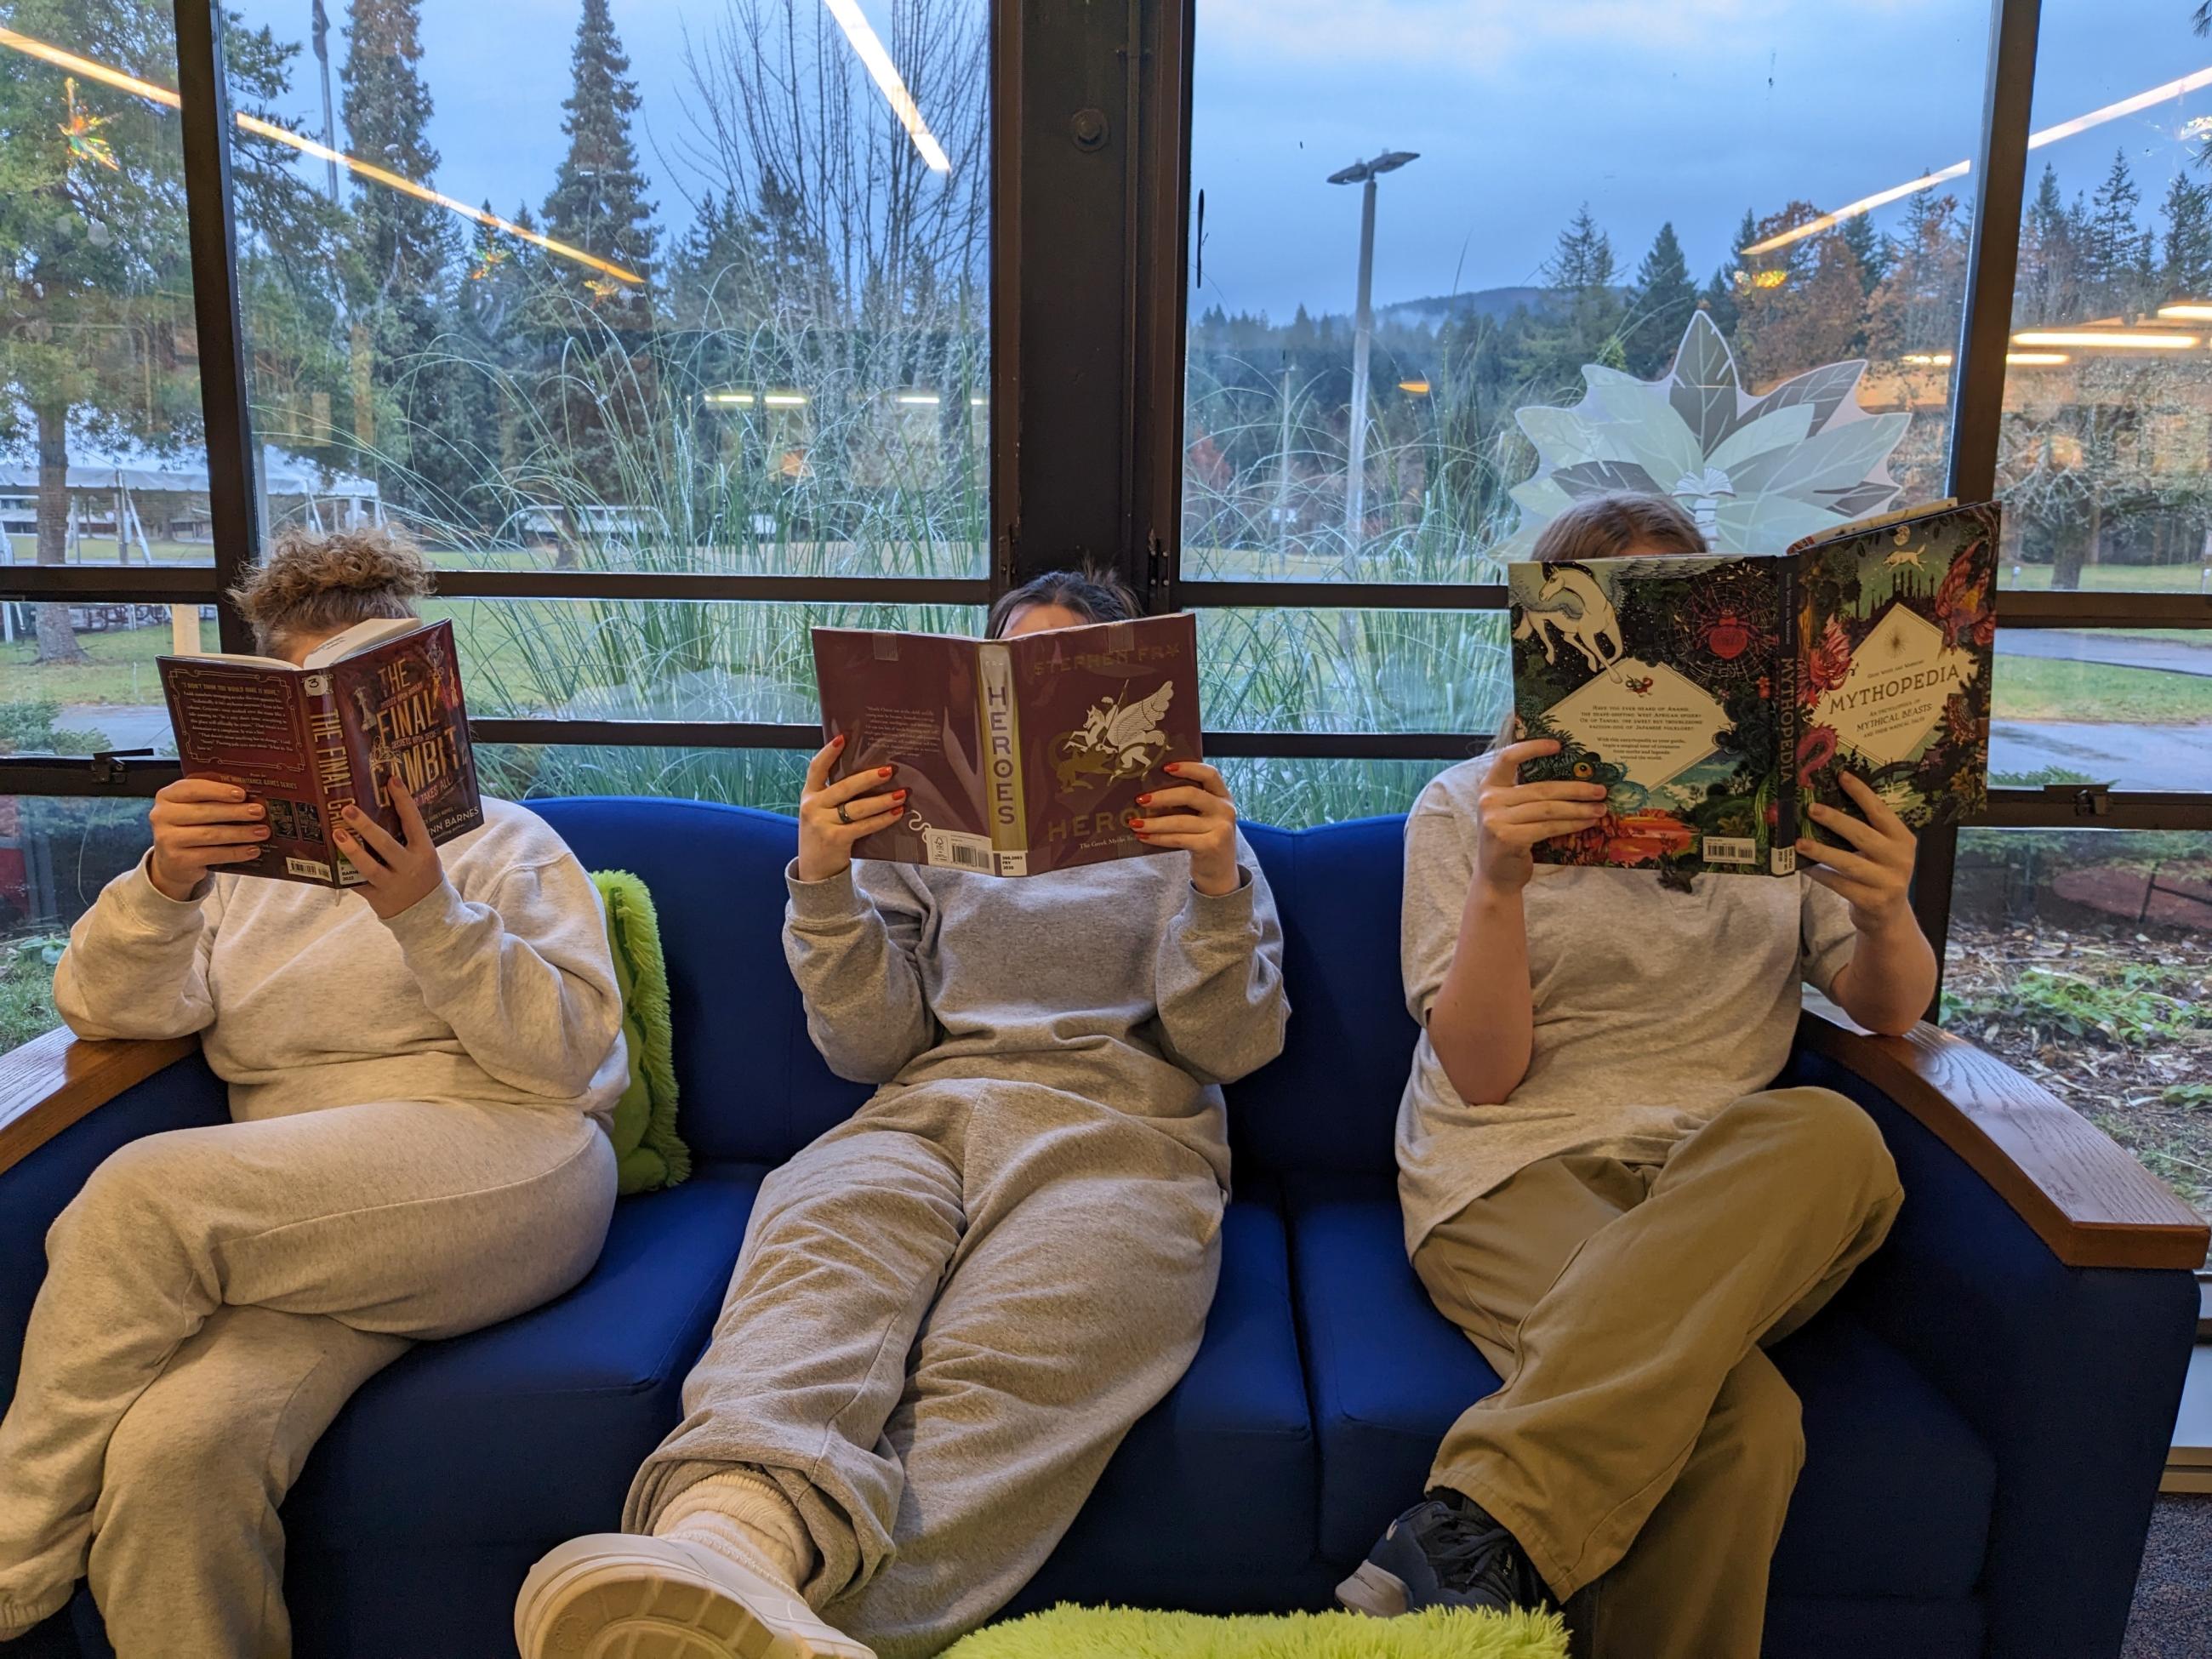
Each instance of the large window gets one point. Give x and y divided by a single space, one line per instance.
672 329
101 462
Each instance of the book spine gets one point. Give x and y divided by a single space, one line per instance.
1782 857
332 758
998 717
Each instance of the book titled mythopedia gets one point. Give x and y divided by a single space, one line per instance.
1022 755
1715 697
379 703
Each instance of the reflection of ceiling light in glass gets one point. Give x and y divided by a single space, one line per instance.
2037 359
2095 118
253 124
919 400
1769 279
744 398
885 73
2134 340
785 400
2187 311
1930 359
2196 129
1418 388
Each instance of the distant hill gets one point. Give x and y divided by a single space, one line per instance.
1494 303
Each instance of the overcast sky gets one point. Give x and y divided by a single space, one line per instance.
1687 110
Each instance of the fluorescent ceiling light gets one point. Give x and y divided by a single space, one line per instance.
1930 359
920 399
163 95
2136 340
785 400
2187 312
2095 118
1418 388
886 76
2034 358
729 397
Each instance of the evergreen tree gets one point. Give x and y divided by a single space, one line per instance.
1583 258
2046 288
598 203
2187 273
1664 297
1869 248
403 246
2112 251
1718 301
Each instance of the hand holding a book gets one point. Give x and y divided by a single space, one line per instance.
198 824
1514 816
1873 871
1198 816
396 875
833 815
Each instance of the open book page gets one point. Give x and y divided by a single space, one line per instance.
1899 621
362 636
1657 677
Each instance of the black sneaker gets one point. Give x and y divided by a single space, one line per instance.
1446 1550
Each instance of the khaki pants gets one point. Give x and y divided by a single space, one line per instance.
1643 1447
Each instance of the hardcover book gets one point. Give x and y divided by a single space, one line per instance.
1715 696
1023 755
379 702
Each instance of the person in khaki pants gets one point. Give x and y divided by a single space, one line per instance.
1600 1190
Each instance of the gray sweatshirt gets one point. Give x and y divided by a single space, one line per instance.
1652 1009
1119 982
499 986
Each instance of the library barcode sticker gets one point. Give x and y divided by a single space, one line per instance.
1730 849
954 850
309 868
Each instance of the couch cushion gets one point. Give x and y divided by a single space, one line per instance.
530 1430
1896 1494
1216 1483
1330 1102
754 1088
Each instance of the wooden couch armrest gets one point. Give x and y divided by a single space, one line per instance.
51 1081
2087 1199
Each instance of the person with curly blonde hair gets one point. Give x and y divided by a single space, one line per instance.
421 1070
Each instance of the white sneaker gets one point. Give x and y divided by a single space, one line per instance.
621 1595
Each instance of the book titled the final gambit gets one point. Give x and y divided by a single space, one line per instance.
379 703
1022 755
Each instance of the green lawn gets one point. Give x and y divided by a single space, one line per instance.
2110 578
100 550
2052 689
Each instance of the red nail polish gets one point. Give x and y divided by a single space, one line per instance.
883 771
1170 766
898 794
837 741
1144 801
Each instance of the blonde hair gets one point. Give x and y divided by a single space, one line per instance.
1606 527
318 582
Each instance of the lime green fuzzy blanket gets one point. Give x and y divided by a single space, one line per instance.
1128 1633
647 1151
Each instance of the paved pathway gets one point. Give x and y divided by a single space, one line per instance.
124 725
2171 656
2127 756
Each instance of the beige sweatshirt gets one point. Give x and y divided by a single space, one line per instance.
1652 1009
499 986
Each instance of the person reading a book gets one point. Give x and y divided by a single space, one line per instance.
949 1308
419 1071
1603 1192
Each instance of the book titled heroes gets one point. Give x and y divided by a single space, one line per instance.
378 704
1716 696
1023 755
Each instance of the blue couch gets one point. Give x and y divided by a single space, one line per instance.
1986 1407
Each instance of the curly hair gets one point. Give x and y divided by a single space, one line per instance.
317 582
1095 595
1607 527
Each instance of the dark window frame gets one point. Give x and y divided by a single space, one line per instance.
1090 168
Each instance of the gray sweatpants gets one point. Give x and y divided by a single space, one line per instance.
947 1313
212 1297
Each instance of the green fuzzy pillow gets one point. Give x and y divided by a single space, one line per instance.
647 1152
1067 1632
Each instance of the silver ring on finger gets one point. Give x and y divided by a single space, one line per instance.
843 816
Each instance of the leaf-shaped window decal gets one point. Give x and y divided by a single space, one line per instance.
1758 472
